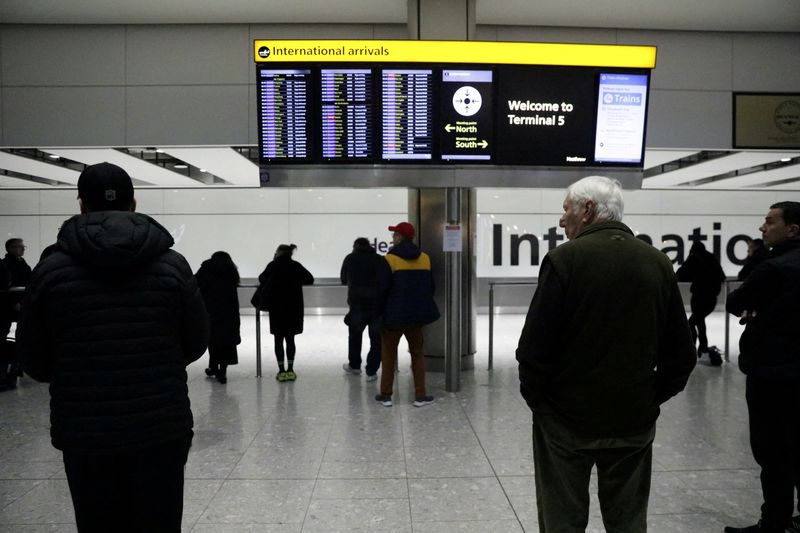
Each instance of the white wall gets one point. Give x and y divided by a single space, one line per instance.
250 223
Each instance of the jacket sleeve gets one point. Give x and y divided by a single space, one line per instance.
306 278
33 349
384 284
538 349
676 354
195 325
759 288
343 271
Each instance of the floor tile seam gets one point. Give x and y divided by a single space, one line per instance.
227 477
491 466
342 399
38 482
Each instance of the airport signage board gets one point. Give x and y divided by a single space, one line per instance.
766 120
451 102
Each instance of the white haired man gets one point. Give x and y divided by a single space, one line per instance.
605 342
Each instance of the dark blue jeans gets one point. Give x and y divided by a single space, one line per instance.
357 320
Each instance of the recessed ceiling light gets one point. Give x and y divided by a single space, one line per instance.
180 165
159 151
785 159
203 170
54 156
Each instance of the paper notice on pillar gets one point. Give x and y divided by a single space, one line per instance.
451 241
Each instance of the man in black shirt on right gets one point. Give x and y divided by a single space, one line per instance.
767 303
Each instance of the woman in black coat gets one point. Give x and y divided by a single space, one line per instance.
218 279
283 281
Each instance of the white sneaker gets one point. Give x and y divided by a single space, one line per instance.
350 370
372 377
423 401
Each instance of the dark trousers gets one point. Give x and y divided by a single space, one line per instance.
563 465
775 441
390 338
701 307
357 321
128 493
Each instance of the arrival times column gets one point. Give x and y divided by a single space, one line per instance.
407 104
283 110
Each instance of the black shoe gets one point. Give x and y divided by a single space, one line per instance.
210 372
384 400
222 379
755 528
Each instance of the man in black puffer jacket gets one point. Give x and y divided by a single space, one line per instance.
111 319
769 354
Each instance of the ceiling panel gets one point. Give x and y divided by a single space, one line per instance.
32 167
756 178
714 167
223 162
202 11
137 168
709 15
656 158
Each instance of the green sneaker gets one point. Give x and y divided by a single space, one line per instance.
281 376
290 375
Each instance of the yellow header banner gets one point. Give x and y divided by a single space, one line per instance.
480 52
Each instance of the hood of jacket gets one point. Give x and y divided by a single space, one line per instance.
406 250
113 239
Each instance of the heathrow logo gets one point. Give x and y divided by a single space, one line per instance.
263 52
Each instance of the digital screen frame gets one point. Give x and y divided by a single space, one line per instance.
547 109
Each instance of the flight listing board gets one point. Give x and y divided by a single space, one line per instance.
346 113
453 114
284 127
407 114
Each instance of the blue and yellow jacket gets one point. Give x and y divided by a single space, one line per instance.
407 288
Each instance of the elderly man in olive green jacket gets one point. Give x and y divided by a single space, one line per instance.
605 342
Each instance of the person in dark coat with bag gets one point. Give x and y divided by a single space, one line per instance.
111 319
703 270
360 270
282 295
218 279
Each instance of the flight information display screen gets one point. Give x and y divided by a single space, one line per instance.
346 113
284 98
452 114
407 114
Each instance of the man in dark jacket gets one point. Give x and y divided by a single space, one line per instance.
111 319
703 270
605 342
767 303
360 273
18 269
406 304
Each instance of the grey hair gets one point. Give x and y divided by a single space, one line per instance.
606 193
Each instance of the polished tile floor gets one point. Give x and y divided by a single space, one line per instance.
320 455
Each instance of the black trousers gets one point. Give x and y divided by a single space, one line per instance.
775 441
138 492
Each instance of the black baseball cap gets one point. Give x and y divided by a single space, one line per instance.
105 187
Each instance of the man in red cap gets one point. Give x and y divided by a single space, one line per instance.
406 306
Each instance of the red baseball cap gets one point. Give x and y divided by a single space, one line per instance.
403 228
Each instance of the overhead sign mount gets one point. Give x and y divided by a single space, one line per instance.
475 52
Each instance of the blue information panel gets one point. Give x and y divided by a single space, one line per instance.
284 98
621 109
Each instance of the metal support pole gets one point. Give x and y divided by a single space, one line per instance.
453 327
727 323
491 325
258 343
